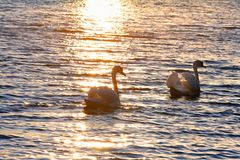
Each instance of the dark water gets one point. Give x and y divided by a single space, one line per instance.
52 52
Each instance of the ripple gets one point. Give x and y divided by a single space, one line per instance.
29 117
37 105
7 87
53 65
2 137
230 68
65 30
223 104
123 155
85 75
137 89
103 60
49 51
232 27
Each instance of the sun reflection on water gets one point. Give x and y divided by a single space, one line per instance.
98 22
100 14
93 44
80 140
95 41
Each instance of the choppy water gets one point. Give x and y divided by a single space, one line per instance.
52 52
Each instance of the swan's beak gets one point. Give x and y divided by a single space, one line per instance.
123 73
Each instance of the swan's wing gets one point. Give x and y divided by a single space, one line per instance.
173 80
189 81
108 94
104 94
177 81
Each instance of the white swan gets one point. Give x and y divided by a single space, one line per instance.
183 83
103 96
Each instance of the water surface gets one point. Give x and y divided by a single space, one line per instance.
52 52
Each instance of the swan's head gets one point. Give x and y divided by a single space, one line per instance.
198 63
118 69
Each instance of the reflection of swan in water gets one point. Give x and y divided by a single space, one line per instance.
183 83
104 97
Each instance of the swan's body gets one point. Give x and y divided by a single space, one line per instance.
182 83
105 97
102 96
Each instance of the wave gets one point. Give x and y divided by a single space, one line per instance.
236 86
232 27
16 116
64 30
137 89
231 68
102 60
7 87
85 75
208 133
2 136
37 104
222 103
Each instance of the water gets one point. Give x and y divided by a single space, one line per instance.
52 52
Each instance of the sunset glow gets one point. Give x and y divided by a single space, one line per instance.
119 79
99 14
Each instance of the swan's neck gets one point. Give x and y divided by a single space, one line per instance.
196 73
114 81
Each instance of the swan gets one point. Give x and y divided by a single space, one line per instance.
183 83
103 96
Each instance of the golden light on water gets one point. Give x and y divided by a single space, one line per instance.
98 22
74 141
94 41
52 53
88 84
99 19
100 14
